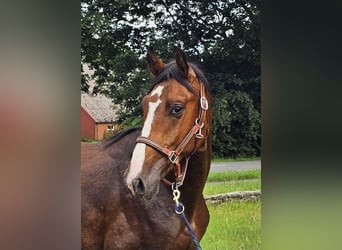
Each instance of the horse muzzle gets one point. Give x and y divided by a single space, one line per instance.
145 181
143 191
144 185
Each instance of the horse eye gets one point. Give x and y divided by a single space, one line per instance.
176 110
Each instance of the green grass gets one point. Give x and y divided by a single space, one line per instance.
234 175
234 225
231 186
235 159
85 139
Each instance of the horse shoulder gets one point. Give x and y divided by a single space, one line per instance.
98 178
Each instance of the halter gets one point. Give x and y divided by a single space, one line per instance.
173 155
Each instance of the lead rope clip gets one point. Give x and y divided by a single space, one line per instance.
179 208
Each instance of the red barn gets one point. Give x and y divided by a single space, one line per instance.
97 116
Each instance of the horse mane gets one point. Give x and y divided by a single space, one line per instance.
117 137
170 70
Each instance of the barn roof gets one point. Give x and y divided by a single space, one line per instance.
99 107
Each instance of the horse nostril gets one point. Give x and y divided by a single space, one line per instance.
138 186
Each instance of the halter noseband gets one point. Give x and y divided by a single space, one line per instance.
173 155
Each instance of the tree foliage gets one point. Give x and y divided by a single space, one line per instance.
222 36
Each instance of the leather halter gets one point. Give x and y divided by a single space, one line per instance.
173 155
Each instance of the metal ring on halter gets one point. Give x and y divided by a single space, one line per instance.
199 134
173 157
175 186
196 122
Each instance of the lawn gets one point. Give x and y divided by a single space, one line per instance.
234 225
231 186
234 175
235 159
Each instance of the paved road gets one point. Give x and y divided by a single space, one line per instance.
235 166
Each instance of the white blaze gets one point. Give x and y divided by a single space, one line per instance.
138 156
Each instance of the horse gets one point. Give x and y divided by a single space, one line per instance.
129 181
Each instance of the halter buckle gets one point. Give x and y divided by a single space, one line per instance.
173 157
204 103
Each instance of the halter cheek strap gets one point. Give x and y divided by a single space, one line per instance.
173 155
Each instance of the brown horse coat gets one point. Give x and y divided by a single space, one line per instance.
111 217
114 214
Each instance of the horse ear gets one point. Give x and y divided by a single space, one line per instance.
181 61
154 63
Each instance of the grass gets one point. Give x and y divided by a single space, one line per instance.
234 225
234 175
231 186
235 159
85 139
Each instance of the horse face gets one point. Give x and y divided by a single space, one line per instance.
170 111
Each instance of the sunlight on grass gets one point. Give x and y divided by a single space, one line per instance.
235 159
234 175
234 225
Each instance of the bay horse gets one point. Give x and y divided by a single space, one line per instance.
129 181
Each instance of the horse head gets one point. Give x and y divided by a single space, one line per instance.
175 123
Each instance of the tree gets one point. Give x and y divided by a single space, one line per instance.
236 130
222 35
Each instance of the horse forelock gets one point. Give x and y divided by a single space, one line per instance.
171 70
